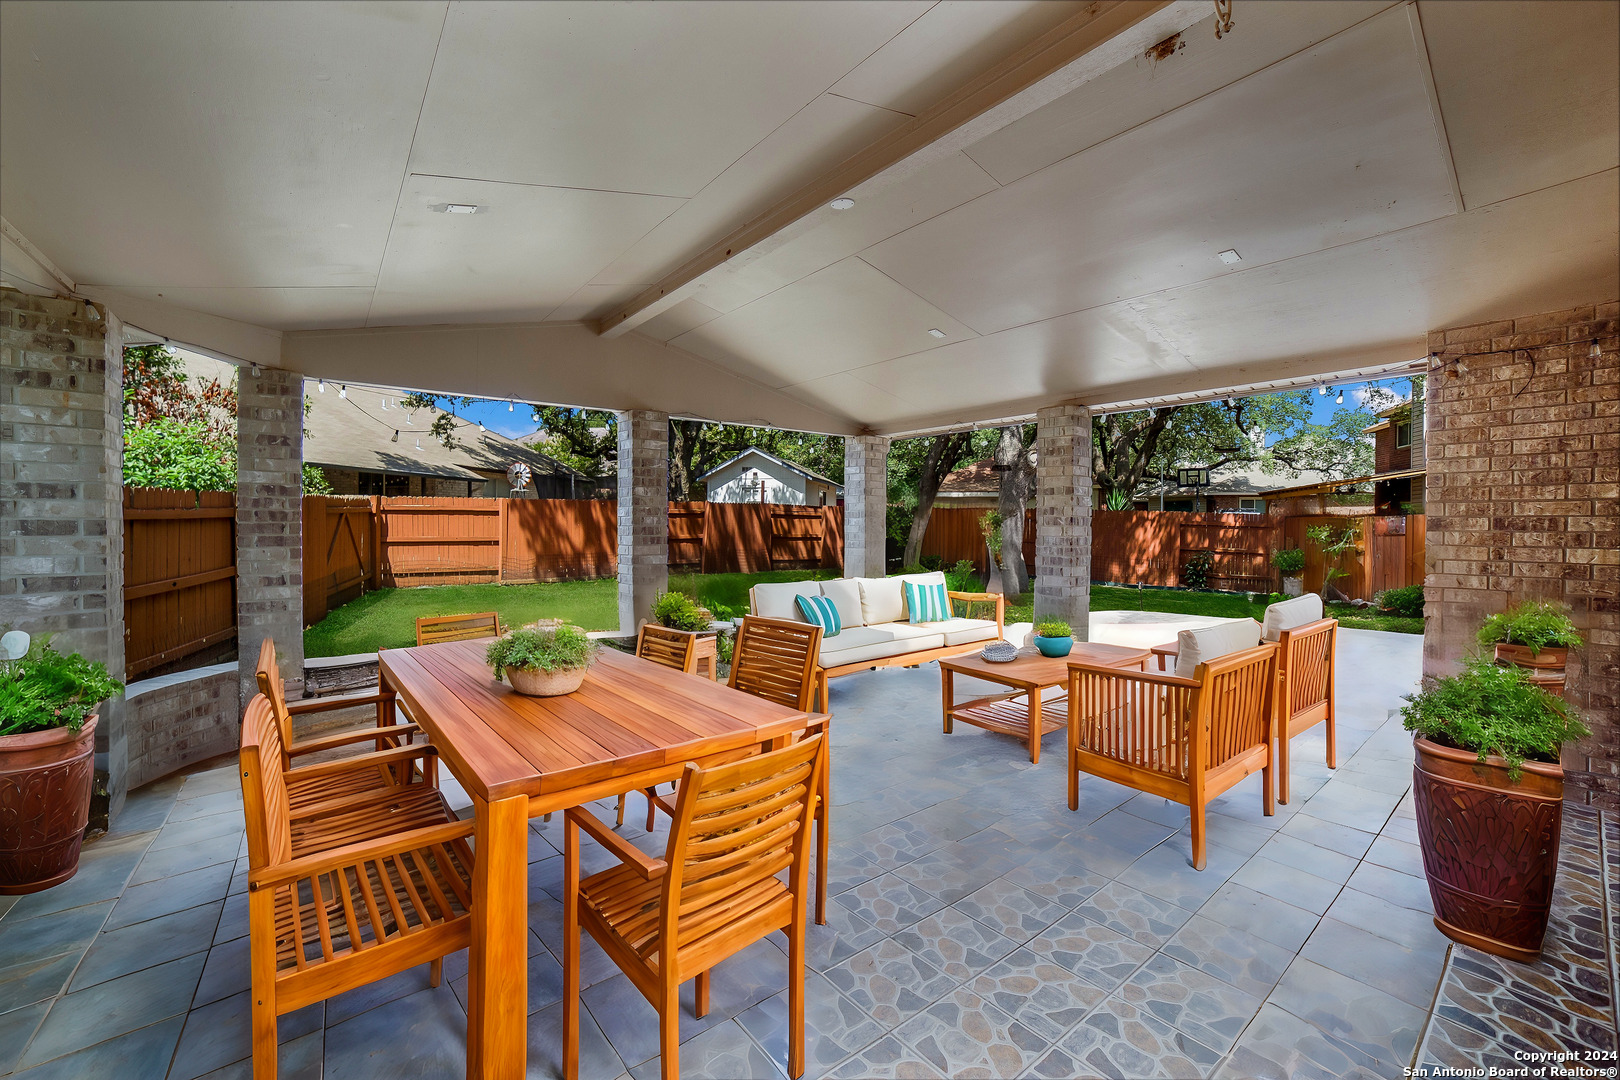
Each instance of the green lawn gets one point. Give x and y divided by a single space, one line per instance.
387 618
1217 605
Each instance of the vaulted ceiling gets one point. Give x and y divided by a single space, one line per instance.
1381 170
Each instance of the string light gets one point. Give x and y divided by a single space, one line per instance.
419 444
396 436
320 384
256 372
343 390
1340 399
1595 352
1322 390
509 405
480 425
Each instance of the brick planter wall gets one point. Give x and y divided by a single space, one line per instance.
180 719
1523 499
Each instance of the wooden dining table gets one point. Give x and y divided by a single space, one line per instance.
632 724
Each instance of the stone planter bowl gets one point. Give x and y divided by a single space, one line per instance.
1054 646
538 683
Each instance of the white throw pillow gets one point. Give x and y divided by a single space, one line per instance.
881 601
845 593
1287 614
936 577
776 601
1194 647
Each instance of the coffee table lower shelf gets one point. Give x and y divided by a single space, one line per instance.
1010 715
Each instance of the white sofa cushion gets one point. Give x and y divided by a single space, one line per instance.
881 601
1194 647
876 642
1287 614
776 601
966 631
845 593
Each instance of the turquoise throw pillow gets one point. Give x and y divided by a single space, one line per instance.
926 603
820 611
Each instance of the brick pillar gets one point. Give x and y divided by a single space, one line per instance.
1063 517
1524 502
269 524
866 500
643 513
61 493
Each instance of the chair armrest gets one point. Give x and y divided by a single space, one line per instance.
627 852
295 870
1078 667
346 738
985 598
362 761
346 701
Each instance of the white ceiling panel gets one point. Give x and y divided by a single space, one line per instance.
1528 91
953 41
210 145
525 253
1333 145
632 97
684 316
589 301
847 316
848 396
279 309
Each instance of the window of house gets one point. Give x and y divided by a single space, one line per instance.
1403 434
1251 506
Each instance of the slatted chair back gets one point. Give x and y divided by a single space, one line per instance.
434 629
264 787
1304 696
775 659
274 688
1231 709
671 648
736 827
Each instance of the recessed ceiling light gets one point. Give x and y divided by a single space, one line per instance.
1230 256
936 332
460 208
842 204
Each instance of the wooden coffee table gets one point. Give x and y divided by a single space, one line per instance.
1028 675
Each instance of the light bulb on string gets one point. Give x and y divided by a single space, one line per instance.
1340 399
320 384
343 390
509 406
1322 391
395 438
1595 352
480 425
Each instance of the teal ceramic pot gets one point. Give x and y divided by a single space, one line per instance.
1054 646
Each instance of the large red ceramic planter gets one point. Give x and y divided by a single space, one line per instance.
1546 668
1490 847
44 805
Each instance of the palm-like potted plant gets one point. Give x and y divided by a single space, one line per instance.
1290 563
542 661
48 720
1054 637
1536 635
1488 792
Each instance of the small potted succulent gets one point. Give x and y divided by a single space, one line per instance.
1488 792
48 720
1536 635
542 661
1290 563
1053 637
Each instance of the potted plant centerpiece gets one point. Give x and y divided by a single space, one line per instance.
1488 792
1054 637
1290 563
48 719
1536 635
542 661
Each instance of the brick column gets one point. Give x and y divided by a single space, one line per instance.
61 493
643 513
1523 502
1063 517
269 524
866 500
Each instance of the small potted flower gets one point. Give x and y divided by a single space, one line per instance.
542 661
1488 793
1536 635
1290 563
48 717
1053 637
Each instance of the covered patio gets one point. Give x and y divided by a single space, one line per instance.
874 221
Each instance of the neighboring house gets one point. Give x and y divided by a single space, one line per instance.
755 476
1399 462
972 487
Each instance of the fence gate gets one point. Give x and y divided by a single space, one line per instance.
179 575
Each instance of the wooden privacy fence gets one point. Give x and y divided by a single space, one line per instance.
1390 555
179 575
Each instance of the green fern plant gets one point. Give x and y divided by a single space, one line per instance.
1494 709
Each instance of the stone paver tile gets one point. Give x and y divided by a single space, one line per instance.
224 973
1011 909
1199 1005
723 1052
143 1052
959 946
1278 1045
1057 876
890 982
1101 956
1397 855
221 1033
1045 995
28 941
112 1008
889 903
168 895
303 1058
834 1027
1409 974
410 1038
951 875
844 934
132 948
219 802
1249 963
1135 914
1299 854
1122 1039
1383 1027
1298 887
16 1028
965 1035
104 867
1265 917
597 1059
181 833
1376 915
36 980
1328 834
631 1024
177 860
886 1059
1166 872
1407 890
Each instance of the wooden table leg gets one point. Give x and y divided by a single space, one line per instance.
1034 727
1071 757
497 962
946 695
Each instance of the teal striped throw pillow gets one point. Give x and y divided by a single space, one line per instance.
927 603
820 611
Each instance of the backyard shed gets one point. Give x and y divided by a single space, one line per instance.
755 476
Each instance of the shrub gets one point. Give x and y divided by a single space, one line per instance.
990 529
47 689
1290 562
1195 575
1493 709
680 612
724 612
932 562
1536 624
1407 601
963 577
555 648
1053 628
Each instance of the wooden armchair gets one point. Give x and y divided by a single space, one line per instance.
433 629
1187 740
1305 695
671 648
382 770
715 891
355 905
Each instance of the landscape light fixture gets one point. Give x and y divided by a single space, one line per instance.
936 332
842 204
1230 256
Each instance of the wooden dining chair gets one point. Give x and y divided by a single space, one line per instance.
434 629
673 649
383 770
715 891
349 908
1305 695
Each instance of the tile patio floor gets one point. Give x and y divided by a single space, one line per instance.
979 928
